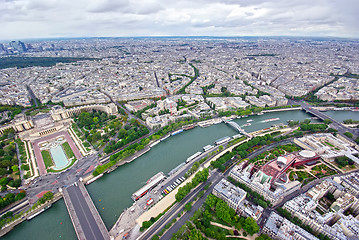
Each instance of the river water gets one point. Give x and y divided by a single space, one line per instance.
343 115
112 193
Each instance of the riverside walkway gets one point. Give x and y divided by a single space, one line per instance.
84 216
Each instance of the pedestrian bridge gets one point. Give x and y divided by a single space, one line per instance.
83 213
237 127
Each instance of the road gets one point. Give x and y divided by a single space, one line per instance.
182 221
130 115
183 170
178 207
53 181
32 95
335 124
87 221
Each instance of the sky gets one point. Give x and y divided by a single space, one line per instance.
26 19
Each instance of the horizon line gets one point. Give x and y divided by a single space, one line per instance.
181 36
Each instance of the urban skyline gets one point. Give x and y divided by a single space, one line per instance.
218 118
25 19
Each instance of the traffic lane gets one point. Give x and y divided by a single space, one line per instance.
215 175
83 212
215 178
161 222
48 179
188 214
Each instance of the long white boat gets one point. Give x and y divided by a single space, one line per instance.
176 132
38 213
222 140
207 148
154 143
271 119
164 138
193 157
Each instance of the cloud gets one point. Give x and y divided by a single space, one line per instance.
83 18
97 6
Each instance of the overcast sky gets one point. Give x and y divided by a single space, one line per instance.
23 19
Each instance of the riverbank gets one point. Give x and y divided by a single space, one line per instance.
281 110
7 228
90 177
123 225
111 193
202 124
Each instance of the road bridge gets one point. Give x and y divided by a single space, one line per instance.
84 216
335 124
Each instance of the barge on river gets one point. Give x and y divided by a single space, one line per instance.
150 184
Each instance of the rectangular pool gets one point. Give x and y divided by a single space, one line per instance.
59 157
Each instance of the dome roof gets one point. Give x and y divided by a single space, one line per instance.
307 153
282 160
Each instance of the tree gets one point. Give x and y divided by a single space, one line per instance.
250 226
85 120
327 121
211 201
14 168
20 196
348 134
341 161
2 171
332 130
6 163
155 237
306 121
48 196
284 213
4 181
222 211
195 235
122 133
15 183
263 237
188 206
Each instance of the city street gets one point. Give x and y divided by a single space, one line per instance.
178 207
54 181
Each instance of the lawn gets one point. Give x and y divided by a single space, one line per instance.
68 151
329 144
322 170
46 156
345 168
301 176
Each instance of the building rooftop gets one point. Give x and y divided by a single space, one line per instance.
229 191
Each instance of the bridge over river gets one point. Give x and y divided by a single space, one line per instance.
84 216
335 124
237 127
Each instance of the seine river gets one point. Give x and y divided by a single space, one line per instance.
112 193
